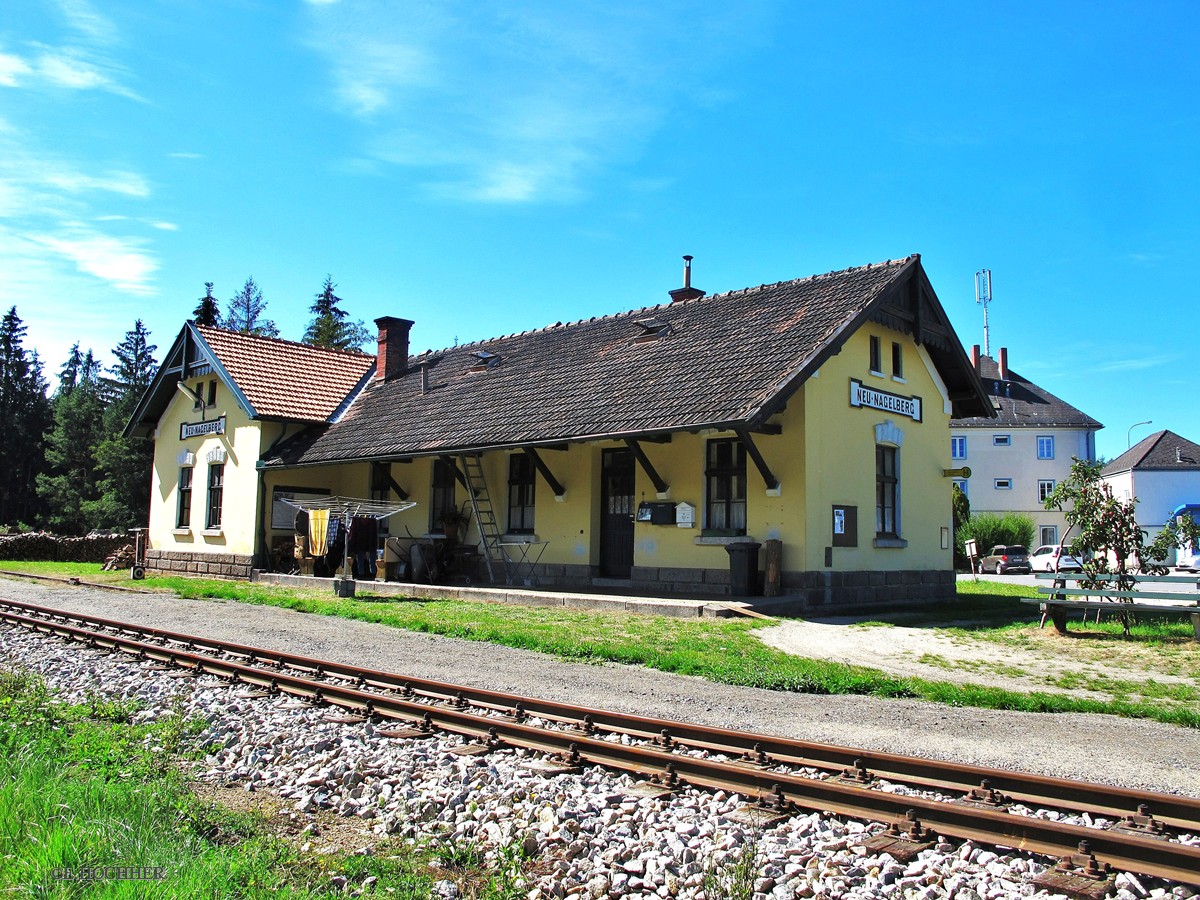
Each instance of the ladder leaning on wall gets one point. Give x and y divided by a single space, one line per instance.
485 514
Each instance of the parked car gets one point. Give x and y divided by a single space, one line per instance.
1006 558
1052 558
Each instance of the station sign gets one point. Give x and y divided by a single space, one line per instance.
200 429
862 396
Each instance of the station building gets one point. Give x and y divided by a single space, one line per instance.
632 449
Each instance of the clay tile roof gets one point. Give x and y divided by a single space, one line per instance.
1162 450
284 379
1019 403
724 359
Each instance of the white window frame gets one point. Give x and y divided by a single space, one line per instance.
1047 441
1001 440
1045 489
1002 484
1051 530
958 447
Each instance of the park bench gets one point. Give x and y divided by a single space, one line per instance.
1061 599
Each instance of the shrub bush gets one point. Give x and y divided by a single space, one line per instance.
989 529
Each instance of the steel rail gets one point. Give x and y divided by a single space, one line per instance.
781 790
1175 811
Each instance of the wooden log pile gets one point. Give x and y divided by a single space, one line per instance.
123 558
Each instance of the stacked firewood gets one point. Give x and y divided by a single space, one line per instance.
123 558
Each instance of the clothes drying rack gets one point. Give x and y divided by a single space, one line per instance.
347 508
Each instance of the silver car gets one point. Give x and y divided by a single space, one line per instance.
1053 558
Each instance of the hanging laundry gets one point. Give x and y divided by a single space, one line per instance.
318 531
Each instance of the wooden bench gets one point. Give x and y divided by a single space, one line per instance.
1062 599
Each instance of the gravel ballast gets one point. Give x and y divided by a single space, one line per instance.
581 835
1129 752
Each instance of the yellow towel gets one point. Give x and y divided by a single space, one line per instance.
318 531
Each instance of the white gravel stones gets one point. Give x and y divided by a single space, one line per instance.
590 837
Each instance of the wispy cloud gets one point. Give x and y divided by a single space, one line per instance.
12 70
1136 363
517 102
184 154
122 262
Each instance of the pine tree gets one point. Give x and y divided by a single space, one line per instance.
69 488
208 310
124 464
25 412
329 328
244 312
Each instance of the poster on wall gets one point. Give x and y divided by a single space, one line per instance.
283 515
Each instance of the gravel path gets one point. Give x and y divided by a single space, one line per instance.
1100 748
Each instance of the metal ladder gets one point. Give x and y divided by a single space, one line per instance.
485 515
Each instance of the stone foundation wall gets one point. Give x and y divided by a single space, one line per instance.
208 565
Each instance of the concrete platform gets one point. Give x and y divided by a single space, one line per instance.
678 607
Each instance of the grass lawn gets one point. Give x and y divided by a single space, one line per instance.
722 650
84 791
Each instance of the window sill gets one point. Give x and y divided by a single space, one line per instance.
523 537
213 532
720 540
876 374
893 543
899 379
181 532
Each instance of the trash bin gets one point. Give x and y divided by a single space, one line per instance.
743 568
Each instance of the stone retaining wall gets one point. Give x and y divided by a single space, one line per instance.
209 565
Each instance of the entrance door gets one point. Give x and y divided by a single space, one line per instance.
616 514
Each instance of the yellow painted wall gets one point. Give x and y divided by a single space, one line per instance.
242 446
840 467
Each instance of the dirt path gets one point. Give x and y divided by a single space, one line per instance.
1052 664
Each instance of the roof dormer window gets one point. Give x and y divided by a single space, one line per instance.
484 360
652 329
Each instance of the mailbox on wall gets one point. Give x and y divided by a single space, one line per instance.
656 513
685 515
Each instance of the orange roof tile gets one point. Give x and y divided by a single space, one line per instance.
285 379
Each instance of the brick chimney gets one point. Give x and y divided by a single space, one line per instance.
1004 363
392 358
687 292
975 357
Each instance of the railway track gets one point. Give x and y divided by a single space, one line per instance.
778 776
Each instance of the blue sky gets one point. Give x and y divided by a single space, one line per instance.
484 168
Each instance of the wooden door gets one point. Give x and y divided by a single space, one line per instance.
616 514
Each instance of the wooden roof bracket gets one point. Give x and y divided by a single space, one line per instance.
538 463
458 473
661 487
380 469
773 487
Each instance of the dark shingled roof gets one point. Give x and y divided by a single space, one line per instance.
1163 450
722 360
1019 403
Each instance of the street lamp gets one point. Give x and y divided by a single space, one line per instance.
1128 439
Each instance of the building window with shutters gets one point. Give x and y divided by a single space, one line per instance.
887 483
183 513
725 474
521 482
216 493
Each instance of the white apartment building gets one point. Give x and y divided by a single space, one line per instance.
1017 458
